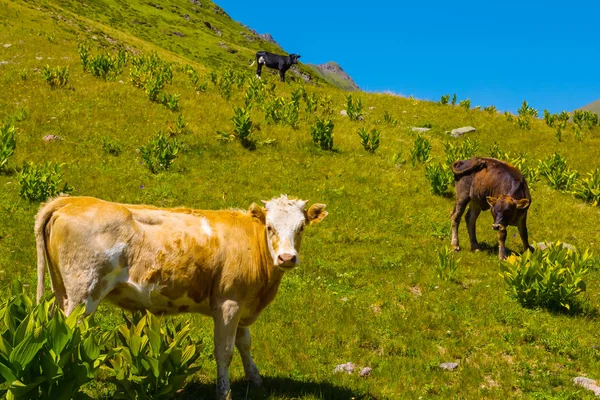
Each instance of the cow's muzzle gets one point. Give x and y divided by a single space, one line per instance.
287 260
498 227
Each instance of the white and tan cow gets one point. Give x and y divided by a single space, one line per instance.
226 264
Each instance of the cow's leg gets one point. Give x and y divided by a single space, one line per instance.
471 221
457 212
243 343
226 316
501 244
282 75
258 69
522 225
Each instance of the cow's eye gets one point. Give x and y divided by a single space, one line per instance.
270 229
301 228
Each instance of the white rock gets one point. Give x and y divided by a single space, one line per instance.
366 371
344 113
458 132
7 45
348 368
420 130
449 366
587 383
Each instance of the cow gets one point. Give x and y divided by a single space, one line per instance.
226 264
275 61
487 183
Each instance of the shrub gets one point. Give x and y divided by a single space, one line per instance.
8 144
454 99
105 66
462 151
160 152
84 54
179 128
312 103
171 101
56 77
369 140
354 108
151 362
389 119
588 189
242 126
557 174
275 110
23 74
550 278
490 109
39 182
44 354
525 114
439 177
111 146
291 113
445 99
420 151
585 118
322 133
326 103
447 265
466 104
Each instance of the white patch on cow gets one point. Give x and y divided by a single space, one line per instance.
114 255
286 218
261 60
206 227
258 76
143 291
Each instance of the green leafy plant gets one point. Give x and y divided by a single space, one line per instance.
43 353
550 278
171 101
354 108
275 110
588 189
242 126
491 109
57 77
111 146
421 150
8 144
322 133
152 358
462 151
104 66
160 152
447 264
466 104
389 119
398 158
558 176
525 114
439 177
39 182
454 99
585 119
445 99
84 55
179 128
369 140
23 74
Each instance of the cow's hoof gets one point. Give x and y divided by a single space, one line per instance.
475 247
502 256
256 380
224 396
531 249
456 248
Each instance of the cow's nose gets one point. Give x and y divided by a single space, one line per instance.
286 258
496 227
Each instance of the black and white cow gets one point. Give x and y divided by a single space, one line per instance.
275 61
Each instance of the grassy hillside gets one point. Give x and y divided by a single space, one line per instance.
367 289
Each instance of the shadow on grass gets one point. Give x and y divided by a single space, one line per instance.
273 387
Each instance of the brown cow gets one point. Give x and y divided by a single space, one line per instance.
484 183
225 264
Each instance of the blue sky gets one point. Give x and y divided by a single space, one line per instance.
499 53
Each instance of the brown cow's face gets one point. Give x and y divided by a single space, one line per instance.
505 210
285 220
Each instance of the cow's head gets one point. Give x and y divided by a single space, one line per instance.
505 210
284 221
294 58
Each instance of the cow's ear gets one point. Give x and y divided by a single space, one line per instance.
258 212
316 213
523 203
491 200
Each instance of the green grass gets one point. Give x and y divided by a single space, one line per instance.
367 289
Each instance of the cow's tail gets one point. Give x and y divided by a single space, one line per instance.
41 226
253 62
465 167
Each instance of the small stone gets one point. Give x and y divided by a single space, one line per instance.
121 81
420 130
39 58
366 371
587 383
371 108
344 113
186 16
416 291
361 118
348 368
458 132
449 366
544 245
7 45
94 37
51 138
376 309
4 62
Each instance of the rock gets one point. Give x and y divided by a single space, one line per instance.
416 291
420 130
39 58
305 76
268 38
7 45
587 383
371 108
449 366
175 33
344 113
458 132
51 138
186 16
4 62
196 2
545 245
366 371
121 82
348 368
361 118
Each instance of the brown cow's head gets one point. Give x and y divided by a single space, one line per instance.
285 220
505 210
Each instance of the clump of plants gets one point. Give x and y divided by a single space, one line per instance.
439 177
445 99
152 357
551 278
242 126
104 66
466 104
322 133
490 109
152 74
159 154
179 128
461 151
8 144
111 146
354 108
421 150
44 354
57 77
588 189
388 119
447 264
369 140
39 182
526 113
556 172
585 119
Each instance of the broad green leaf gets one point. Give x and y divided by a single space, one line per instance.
25 351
